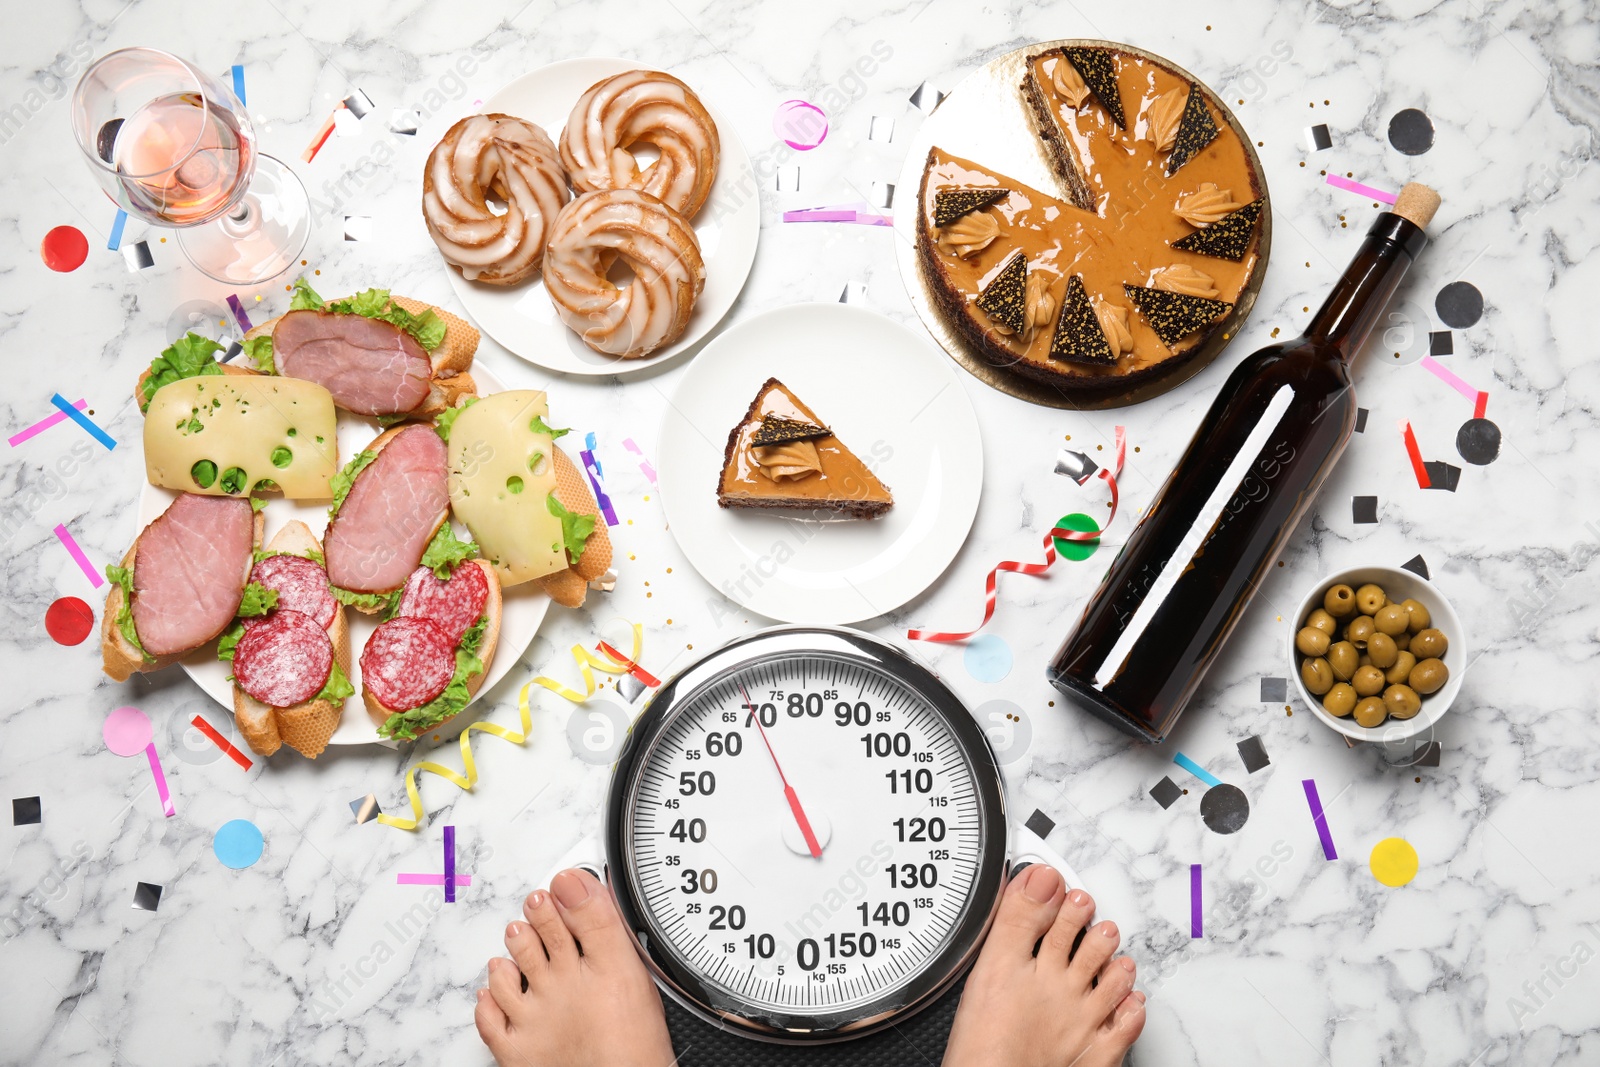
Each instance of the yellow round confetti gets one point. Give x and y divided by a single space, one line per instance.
1393 861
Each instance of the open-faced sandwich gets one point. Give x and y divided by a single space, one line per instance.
290 649
180 584
527 505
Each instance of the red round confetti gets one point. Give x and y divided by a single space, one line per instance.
64 248
69 620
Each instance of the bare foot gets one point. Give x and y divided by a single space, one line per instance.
1023 1010
588 1002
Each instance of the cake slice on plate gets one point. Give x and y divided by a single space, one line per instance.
781 455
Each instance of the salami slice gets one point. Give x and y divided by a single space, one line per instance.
302 586
284 659
407 662
454 604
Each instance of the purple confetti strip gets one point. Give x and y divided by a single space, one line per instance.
1320 818
591 468
1196 923
238 313
449 864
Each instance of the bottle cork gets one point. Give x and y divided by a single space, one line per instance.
1417 203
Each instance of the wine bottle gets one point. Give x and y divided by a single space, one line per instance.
1183 579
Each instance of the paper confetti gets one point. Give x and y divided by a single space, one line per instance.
84 421
1317 138
114 242
358 104
800 125
1361 420
1224 809
238 83
644 464
71 545
68 620
1165 792
1320 818
854 293
1393 861
431 879
787 179
321 138
1411 131
238 844
146 896
449 864
1426 755
1478 441
882 195
1453 380
591 467
1459 304
1364 510
1365 190
1254 754
366 809
1274 690
1075 465
405 122
840 214
987 658
26 811
126 732
1050 539
881 128
633 669
239 316
1441 343
926 98
1040 823
1196 911
43 424
357 227
221 742
1414 453
137 256
64 249
1418 566
1442 475
630 687
1195 769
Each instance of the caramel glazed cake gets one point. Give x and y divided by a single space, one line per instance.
1125 278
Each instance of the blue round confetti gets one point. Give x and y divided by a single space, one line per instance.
238 843
987 658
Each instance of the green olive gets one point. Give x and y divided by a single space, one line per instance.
1359 630
1342 660
1401 671
1322 621
1371 712
1391 619
1311 641
1367 682
1417 617
1339 601
1429 676
1381 650
1340 701
1402 641
1402 701
1429 644
1370 598
1317 675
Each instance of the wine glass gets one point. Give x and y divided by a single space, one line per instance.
174 147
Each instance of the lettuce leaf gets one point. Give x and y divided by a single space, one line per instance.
229 638
123 576
340 483
312 554
575 528
256 503
189 356
538 425
258 600
259 349
305 298
447 418
385 601
337 688
428 328
405 725
445 552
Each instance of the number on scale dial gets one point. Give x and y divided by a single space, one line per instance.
726 870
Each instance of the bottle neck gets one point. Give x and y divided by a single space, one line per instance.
1347 317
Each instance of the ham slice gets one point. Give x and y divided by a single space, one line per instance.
189 572
371 367
384 525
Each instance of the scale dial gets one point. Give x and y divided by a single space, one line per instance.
807 834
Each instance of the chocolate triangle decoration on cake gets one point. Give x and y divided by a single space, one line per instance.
951 204
1195 130
776 430
1005 299
1174 316
1099 72
1079 336
1227 238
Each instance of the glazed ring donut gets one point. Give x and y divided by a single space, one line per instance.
652 308
647 106
514 162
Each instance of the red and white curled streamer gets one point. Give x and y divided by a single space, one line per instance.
1014 566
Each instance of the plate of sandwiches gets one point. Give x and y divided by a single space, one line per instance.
349 531
597 218
820 464
1091 224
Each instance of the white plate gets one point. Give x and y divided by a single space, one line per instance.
522 318
886 393
524 606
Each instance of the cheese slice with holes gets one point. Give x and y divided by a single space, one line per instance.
225 434
502 472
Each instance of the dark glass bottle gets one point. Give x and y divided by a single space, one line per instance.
1182 581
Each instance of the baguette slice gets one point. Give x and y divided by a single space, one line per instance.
305 727
491 638
378 444
450 360
569 587
121 660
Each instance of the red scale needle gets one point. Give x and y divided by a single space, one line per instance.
788 790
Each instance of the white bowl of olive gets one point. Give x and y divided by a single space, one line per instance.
1378 653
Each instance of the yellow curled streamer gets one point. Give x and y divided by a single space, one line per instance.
585 659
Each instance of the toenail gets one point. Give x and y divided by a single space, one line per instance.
513 930
1127 964
536 899
1041 884
570 889
1078 897
1139 995
1108 928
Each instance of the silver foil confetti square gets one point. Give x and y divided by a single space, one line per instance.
137 256
788 179
1075 465
854 293
359 104
630 687
366 809
883 195
881 128
404 121
926 98
357 227
146 896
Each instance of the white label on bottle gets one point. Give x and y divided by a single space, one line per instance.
1184 555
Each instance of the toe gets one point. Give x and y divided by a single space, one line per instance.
1029 906
590 914
1115 982
526 949
1062 940
1098 945
542 915
505 987
1127 1021
492 1022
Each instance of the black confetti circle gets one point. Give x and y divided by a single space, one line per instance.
1478 441
1225 809
1411 132
1459 304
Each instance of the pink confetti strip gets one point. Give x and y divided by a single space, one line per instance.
1365 190
644 464
838 214
1450 378
71 545
161 780
43 424
430 879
